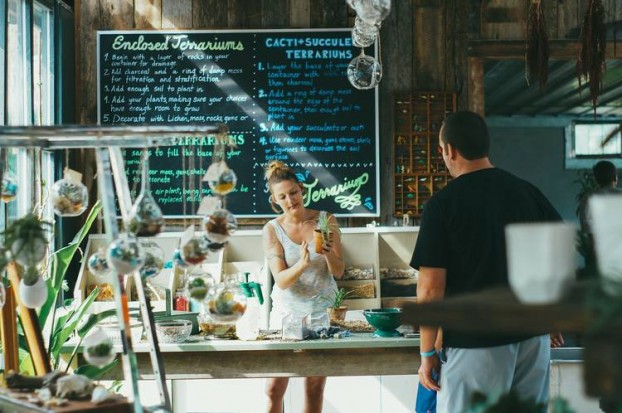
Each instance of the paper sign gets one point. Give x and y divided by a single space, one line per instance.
209 204
72 176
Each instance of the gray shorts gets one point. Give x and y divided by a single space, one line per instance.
522 367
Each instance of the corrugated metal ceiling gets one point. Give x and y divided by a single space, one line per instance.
507 91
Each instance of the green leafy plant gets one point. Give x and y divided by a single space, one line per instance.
336 300
76 319
325 226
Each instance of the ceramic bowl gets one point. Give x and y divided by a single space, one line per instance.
173 331
385 320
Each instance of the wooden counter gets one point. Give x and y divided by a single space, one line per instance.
357 355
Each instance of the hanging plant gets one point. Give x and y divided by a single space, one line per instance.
593 38
537 53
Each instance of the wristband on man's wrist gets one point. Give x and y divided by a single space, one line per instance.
427 353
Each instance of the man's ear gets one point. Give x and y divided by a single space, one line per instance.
451 151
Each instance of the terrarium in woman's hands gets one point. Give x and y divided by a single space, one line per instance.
324 231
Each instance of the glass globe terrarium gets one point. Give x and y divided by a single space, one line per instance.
222 308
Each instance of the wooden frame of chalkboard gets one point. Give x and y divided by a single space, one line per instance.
284 94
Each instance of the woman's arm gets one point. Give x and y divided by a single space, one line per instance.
335 263
284 277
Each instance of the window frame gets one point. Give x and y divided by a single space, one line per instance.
574 161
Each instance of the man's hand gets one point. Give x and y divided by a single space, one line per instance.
428 365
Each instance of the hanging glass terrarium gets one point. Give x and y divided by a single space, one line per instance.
364 72
220 178
9 187
98 264
125 255
69 195
98 349
219 226
33 290
145 218
154 259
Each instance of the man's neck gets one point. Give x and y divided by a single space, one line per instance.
466 166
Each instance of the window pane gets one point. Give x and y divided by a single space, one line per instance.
43 68
18 83
588 139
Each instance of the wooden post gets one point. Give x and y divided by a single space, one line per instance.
476 85
30 324
8 333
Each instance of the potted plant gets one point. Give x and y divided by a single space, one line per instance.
337 310
324 230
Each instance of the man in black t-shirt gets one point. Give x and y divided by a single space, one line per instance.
461 249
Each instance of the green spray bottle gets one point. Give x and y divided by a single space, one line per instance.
247 327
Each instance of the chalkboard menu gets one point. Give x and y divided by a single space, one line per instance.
283 95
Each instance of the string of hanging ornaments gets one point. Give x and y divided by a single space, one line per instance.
365 72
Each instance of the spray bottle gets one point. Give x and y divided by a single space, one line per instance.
247 327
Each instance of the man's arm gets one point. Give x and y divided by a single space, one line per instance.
430 287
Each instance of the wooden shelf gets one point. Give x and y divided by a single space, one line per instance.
498 311
419 167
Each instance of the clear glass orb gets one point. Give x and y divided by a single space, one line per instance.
220 178
364 72
198 283
154 259
125 254
98 349
226 303
69 198
97 263
219 226
33 295
8 192
146 219
194 251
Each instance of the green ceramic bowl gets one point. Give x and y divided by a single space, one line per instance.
385 320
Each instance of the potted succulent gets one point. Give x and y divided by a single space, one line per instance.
324 230
337 310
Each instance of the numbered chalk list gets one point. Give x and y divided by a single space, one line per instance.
283 95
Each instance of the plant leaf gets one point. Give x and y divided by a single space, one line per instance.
93 319
70 325
95 373
59 262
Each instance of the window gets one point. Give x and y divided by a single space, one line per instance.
584 143
28 76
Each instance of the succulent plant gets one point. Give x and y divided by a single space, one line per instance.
26 239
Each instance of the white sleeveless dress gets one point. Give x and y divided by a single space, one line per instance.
303 297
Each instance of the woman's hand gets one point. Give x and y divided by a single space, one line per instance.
305 258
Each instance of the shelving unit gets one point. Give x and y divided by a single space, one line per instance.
419 167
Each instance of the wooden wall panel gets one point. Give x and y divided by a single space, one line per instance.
504 19
276 15
176 14
299 14
570 16
465 25
148 14
244 14
116 14
429 42
396 49
329 14
550 12
209 14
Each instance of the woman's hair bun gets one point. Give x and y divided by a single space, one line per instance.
272 167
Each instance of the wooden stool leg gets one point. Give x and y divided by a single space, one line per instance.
30 324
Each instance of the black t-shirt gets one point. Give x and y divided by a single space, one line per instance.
463 231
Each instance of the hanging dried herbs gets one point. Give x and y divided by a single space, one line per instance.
537 53
593 40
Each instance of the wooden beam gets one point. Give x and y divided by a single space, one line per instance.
30 324
515 49
477 101
8 333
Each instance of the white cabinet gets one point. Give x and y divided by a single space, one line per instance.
567 383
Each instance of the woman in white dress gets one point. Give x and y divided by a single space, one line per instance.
300 274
